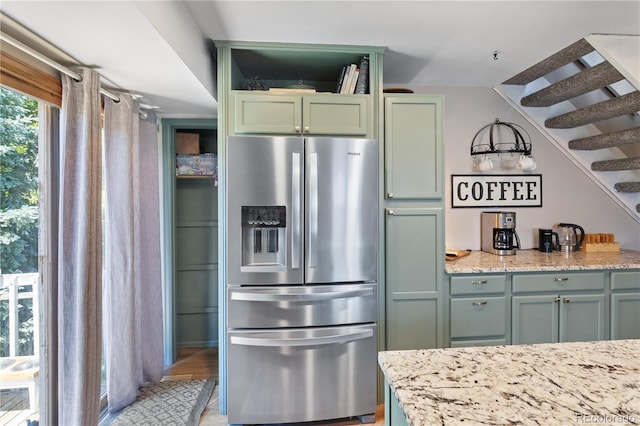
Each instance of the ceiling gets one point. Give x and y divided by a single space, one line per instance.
161 50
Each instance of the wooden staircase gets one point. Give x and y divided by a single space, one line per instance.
585 99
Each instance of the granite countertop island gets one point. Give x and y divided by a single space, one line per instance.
533 260
547 384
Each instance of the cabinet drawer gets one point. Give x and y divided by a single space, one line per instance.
628 280
559 281
476 317
477 284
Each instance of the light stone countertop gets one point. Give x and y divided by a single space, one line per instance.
546 384
533 260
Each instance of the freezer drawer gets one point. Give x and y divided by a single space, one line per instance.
298 375
301 306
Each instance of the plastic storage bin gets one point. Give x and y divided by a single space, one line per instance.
196 165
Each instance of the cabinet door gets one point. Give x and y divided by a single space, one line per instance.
581 318
625 316
413 147
261 113
335 115
534 319
414 265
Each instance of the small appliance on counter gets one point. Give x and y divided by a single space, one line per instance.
545 240
498 233
569 240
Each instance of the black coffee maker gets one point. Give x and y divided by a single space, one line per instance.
545 240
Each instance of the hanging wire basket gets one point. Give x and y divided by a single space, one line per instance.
519 144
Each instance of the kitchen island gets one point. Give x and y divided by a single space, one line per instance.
558 383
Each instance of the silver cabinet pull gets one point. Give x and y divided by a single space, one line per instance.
306 129
390 212
566 300
560 279
479 282
389 194
297 129
479 302
556 300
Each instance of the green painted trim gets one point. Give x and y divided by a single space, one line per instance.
168 187
302 47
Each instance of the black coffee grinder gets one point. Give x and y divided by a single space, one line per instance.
545 240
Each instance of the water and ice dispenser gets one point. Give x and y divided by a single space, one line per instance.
264 238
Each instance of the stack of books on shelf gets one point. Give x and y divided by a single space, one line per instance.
354 78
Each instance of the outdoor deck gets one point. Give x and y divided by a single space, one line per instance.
14 407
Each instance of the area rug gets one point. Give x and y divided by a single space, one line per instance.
171 402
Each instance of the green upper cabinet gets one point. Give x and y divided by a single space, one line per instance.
314 114
413 146
290 89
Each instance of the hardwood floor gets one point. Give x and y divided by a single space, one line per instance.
202 363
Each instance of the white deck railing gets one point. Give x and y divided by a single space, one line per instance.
13 288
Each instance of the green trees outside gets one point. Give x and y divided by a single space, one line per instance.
18 206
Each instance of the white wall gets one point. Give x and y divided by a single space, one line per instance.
568 195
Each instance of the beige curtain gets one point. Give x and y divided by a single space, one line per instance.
80 252
133 297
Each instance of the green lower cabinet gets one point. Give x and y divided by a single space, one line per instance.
559 307
414 265
476 317
477 310
393 414
625 316
534 319
558 318
625 305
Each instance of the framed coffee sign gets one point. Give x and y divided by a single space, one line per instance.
468 191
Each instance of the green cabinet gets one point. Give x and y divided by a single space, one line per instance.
477 310
196 260
393 414
414 265
414 222
311 114
413 146
625 305
555 307
190 240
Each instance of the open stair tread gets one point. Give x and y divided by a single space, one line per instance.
563 57
596 77
621 105
607 140
632 163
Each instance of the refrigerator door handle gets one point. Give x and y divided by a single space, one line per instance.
313 210
304 341
296 211
257 296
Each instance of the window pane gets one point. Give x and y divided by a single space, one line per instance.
19 275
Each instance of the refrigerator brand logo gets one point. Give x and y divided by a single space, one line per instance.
496 191
352 153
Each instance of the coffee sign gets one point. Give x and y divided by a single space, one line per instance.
496 191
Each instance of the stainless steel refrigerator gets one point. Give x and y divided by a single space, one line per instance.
302 267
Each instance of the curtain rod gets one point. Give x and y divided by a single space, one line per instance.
44 59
